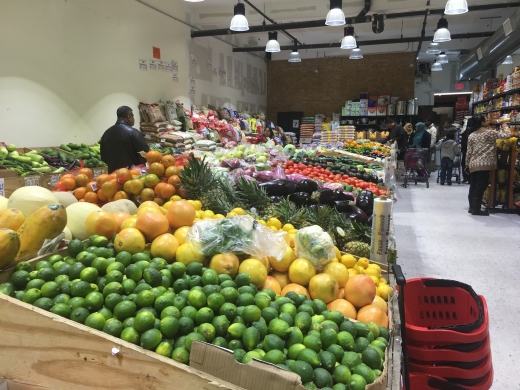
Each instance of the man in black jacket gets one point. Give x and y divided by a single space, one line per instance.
121 144
398 134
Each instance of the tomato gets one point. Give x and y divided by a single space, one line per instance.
290 163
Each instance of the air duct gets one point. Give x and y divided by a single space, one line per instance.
378 23
492 51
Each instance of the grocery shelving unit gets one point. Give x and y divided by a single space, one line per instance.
507 161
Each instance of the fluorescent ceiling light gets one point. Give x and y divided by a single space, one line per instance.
335 17
349 42
442 34
356 54
452 93
239 21
436 67
272 46
508 60
193 1
456 7
433 48
295 56
442 58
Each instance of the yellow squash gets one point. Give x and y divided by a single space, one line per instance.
11 219
9 246
44 224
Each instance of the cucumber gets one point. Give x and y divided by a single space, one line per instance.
74 146
65 147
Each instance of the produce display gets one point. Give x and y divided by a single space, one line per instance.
367 148
30 163
90 155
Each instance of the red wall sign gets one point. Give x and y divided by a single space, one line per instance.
459 86
156 52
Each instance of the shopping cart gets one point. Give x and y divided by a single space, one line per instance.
456 171
415 163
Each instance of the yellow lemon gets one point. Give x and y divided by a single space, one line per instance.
218 216
167 204
197 205
363 262
294 231
352 272
198 213
348 261
197 220
375 266
208 214
129 222
187 254
273 228
261 222
338 271
288 227
181 234
274 222
385 291
231 214
175 198
360 270
375 279
285 262
301 271
383 281
238 211
338 253
373 272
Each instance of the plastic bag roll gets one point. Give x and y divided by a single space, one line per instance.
380 230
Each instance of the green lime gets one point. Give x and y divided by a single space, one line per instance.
322 378
124 310
221 325
35 283
111 288
191 337
346 341
223 277
189 311
306 308
75 270
341 374
89 275
169 327
112 300
86 258
242 279
150 339
152 276
165 348
128 286
261 326
93 301
319 306
351 359
370 337
76 302
124 258
220 341
269 314
383 332
19 294
163 302
235 344
195 281
328 324
294 350
230 294
204 315
239 355
197 298
290 309
328 337
113 327
286 317
379 351
100 264
362 329
20 279
294 297
75 247
348 326
7 288
245 299
115 266
310 356
328 360
207 330
50 290
137 257
79 314
131 335
180 285
229 283
380 342
61 309
371 358
23 266
158 263
62 268
209 277
114 276
44 303
262 300
60 279
178 270
251 338
250 356
239 320
295 336
215 301
193 269
272 341
181 355
61 298
279 328
104 252
357 382
247 289
251 313
274 356
145 298
303 369
337 351
141 287
236 330
42 264
144 321
105 312
100 241
31 295
361 344
302 320
101 282
186 326
179 302
211 289
129 322
312 342
229 310
134 272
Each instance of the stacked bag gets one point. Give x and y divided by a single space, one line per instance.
346 133
306 129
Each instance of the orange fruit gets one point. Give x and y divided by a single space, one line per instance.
168 161
120 195
165 246
101 179
225 264
101 197
134 186
272 284
171 170
147 194
151 180
181 234
324 287
344 307
167 191
180 213
123 175
341 293
91 197
68 183
130 240
147 204
80 192
174 180
298 289
372 313
157 189
360 290
88 172
92 187
153 156
281 277
82 180
380 302
338 271
254 268
101 223
301 271
156 169
135 172
152 225
159 201
67 176
109 188
121 217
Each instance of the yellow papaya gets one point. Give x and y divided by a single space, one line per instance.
44 224
11 219
9 246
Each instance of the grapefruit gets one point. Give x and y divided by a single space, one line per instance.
344 307
130 240
301 271
225 264
123 175
281 277
298 289
180 213
324 287
285 262
165 246
152 225
380 302
272 284
121 217
372 313
101 223
187 254
360 290
255 269
338 271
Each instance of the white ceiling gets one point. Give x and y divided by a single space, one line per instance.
213 14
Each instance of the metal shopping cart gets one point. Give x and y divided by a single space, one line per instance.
456 171
415 163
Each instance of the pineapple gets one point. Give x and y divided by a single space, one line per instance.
253 196
323 216
359 232
290 213
358 248
199 182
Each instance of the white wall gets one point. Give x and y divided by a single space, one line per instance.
67 65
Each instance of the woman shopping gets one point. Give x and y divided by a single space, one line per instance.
481 158
421 138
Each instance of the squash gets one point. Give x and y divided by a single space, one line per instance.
45 223
65 198
77 214
11 219
29 199
3 202
121 205
9 246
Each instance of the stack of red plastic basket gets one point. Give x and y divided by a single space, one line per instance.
447 335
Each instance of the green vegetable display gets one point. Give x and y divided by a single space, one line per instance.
90 155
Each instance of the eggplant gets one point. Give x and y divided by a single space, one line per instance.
365 201
340 195
301 198
324 196
307 185
344 206
279 187
276 199
358 216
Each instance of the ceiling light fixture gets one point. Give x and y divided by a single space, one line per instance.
456 7
239 21
442 33
295 56
436 67
349 42
508 60
336 16
433 48
356 54
272 45
442 58
193 1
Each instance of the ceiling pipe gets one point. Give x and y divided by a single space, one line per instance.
355 20
369 43
378 23
423 31
365 10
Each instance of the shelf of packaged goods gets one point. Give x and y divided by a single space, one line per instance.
499 109
497 96
492 201
376 116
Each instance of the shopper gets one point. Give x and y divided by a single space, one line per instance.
421 138
121 144
466 132
449 149
408 128
430 128
397 134
481 158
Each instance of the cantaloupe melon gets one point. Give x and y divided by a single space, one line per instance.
3 202
68 234
29 199
77 214
65 198
121 205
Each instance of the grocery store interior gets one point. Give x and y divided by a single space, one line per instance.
328 186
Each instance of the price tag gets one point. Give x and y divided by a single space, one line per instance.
97 172
2 187
54 179
139 200
94 186
148 136
32 181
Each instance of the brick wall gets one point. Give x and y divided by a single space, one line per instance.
297 86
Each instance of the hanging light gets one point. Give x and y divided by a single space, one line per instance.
436 67
442 58
272 46
239 21
442 33
349 42
508 60
335 17
356 54
295 56
433 48
456 7
193 1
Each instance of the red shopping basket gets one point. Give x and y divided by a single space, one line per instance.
464 353
421 381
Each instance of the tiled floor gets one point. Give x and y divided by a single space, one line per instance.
437 237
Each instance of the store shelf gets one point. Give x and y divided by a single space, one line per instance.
497 96
499 109
376 117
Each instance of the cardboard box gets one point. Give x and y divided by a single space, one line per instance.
381 110
372 111
5 173
6 384
10 184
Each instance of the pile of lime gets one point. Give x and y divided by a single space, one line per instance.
165 307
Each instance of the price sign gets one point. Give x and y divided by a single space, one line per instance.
32 181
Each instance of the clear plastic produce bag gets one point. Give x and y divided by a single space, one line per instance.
239 235
314 244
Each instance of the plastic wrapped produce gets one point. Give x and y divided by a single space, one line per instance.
316 245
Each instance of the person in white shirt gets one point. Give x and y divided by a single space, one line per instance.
430 128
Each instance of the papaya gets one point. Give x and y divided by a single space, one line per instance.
11 219
9 246
44 224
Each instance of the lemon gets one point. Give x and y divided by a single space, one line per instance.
383 281
181 234
288 227
175 198
218 216
198 214
363 262
375 266
231 214
385 291
359 269
273 228
208 214
348 261
373 272
197 204
352 272
238 211
187 254
338 253
197 220
261 222
375 279
274 222
167 204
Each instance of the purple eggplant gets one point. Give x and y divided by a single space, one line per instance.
345 206
340 195
276 199
279 187
324 196
300 198
307 185
358 216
